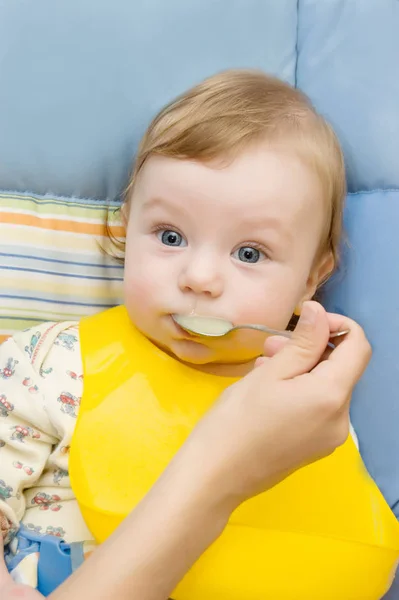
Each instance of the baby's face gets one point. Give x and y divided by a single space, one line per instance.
236 242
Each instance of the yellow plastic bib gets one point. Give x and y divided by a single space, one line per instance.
325 533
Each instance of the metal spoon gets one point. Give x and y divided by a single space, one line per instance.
216 327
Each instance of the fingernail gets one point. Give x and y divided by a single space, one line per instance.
308 314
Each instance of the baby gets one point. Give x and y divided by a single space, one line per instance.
233 210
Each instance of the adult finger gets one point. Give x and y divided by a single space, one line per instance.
274 344
305 348
349 359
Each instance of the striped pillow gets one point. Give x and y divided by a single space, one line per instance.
51 263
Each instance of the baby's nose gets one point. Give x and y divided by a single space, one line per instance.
202 277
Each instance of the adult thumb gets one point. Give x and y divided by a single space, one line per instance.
307 345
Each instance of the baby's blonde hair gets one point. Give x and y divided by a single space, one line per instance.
228 112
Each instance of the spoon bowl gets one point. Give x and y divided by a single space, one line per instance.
216 327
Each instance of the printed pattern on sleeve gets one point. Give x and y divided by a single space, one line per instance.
41 385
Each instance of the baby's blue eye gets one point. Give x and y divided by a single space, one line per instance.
248 254
171 238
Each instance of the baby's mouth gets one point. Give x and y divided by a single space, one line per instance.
202 325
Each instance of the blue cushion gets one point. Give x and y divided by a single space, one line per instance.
347 63
367 290
82 79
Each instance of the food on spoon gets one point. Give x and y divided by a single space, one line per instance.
211 326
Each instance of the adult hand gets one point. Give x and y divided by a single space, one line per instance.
289 411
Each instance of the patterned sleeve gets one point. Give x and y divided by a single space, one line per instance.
27 434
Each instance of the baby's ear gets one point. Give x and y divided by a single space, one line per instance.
319 274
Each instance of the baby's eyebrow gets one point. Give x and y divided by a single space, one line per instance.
155 203
158 202
267 223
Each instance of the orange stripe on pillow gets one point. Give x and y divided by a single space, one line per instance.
61 224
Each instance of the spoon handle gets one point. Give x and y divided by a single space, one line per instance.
284 333
265 329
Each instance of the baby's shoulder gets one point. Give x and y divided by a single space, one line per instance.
41 375
49 343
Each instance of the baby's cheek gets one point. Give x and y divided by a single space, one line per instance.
268 308
137 292
141 279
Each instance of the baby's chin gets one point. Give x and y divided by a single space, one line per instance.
191 352
201 357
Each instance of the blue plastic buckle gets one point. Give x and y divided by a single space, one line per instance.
54 564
